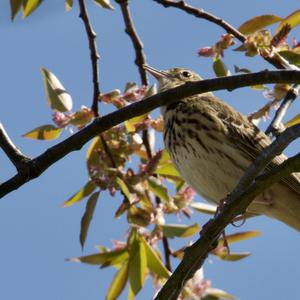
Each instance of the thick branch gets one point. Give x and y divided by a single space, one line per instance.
11 150
236 204
38 165
140 58
94 53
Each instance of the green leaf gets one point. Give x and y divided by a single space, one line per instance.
154 263
82 193
30 6
114 257
87 217
257 23
294 121
232 256
156 187
239 236
118 283
176 230
15 6
69 5
220 68
293 20
104 4
291 57
130 124
58 98
45 132
137 264
122 185
204 208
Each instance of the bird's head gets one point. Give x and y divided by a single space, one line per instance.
171 78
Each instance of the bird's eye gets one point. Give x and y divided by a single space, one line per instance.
186 74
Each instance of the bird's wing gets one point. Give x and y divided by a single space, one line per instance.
251 141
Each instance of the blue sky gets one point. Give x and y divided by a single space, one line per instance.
36 233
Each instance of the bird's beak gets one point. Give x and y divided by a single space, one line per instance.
156 73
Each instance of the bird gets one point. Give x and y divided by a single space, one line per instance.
212 144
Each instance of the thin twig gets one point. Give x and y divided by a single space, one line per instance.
140 58
94 54
274 127
237 202
75 142
200 13
91 35
13 153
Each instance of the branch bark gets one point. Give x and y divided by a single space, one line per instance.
38 165
236 203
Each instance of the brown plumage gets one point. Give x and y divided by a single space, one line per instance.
212 144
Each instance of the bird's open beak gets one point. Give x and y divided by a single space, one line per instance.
156 73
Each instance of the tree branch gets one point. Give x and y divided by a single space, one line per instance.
236 203
94 53
274 127
200 13
11 150
39 164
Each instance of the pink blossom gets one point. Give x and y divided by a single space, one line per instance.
60 119
206 52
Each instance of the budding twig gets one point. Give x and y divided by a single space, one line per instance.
200 13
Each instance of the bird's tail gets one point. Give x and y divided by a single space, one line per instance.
279 202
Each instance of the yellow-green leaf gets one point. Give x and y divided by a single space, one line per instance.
82 193
239 236
232 256
69 5
154 263
178 230
137 265
122 185
293 20
220 68
130 124
114 257
58 98
291 57
156 187
167 169
220 294
87 217
45 132
92 155
204 208
29 6
257 23
104 4
294 121
118 283
15 6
